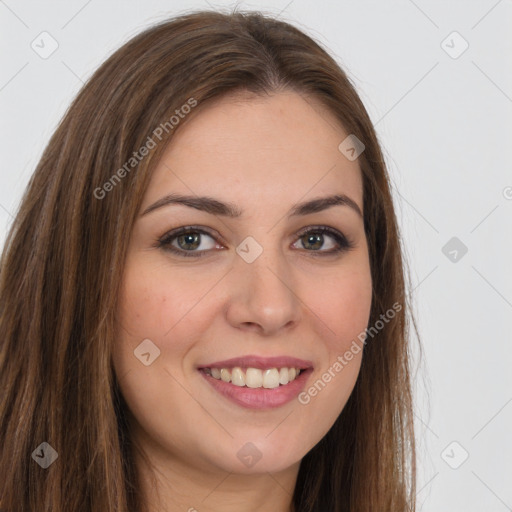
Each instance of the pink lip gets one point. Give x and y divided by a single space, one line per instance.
261 363
259 398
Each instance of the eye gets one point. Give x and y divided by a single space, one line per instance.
188 241
323 240
191 241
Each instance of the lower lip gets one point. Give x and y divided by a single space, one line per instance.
259 398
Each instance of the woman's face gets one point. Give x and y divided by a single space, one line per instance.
253 277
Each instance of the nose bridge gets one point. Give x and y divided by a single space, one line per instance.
264 293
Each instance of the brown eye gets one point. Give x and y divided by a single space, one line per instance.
188 241
323 240
312 241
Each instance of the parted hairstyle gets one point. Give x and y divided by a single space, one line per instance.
62 264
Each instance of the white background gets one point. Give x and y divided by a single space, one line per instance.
445 126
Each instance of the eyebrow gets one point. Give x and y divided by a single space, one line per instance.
216 207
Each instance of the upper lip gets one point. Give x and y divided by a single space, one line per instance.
252 361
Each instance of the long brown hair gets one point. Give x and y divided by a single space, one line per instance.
63 259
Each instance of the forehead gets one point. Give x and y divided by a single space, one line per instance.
266 147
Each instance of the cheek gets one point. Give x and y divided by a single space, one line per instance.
154 300
343 305
343 308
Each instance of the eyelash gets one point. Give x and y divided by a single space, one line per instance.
344 244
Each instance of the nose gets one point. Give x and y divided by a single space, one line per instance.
262 295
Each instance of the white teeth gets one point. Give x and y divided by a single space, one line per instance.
271 378
284 376
237 377
254 377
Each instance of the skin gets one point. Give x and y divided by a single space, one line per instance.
263 154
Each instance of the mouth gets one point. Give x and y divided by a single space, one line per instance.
258 383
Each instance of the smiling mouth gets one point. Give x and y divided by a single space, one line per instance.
254 378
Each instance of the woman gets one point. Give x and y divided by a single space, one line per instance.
202 294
